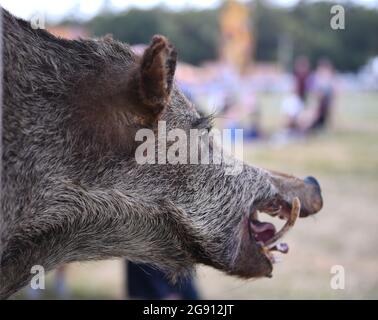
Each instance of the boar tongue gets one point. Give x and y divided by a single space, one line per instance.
263 231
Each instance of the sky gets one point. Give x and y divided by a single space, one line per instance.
85 9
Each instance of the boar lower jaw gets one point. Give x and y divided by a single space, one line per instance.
266 235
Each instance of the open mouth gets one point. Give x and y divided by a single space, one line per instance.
265 233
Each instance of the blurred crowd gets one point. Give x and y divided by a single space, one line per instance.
308 97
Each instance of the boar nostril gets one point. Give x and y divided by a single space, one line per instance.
313 181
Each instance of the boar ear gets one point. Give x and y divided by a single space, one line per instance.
119 99
157 70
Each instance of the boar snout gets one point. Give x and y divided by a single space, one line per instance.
314 201
307 190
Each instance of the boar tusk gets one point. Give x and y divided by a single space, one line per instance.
295 209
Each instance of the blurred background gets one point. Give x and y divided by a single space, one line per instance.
306 95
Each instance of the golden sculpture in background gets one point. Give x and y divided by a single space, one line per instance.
236 38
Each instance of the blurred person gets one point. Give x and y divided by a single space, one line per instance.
241 111
251 113
325 92
254 130
302 74
292 107
147 283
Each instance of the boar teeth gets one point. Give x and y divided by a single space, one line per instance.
295 209
281 247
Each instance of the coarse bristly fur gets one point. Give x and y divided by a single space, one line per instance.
71 188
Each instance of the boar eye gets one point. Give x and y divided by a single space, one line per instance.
203 123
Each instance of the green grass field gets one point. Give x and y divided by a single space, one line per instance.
345 232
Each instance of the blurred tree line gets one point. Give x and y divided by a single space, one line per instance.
305 28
